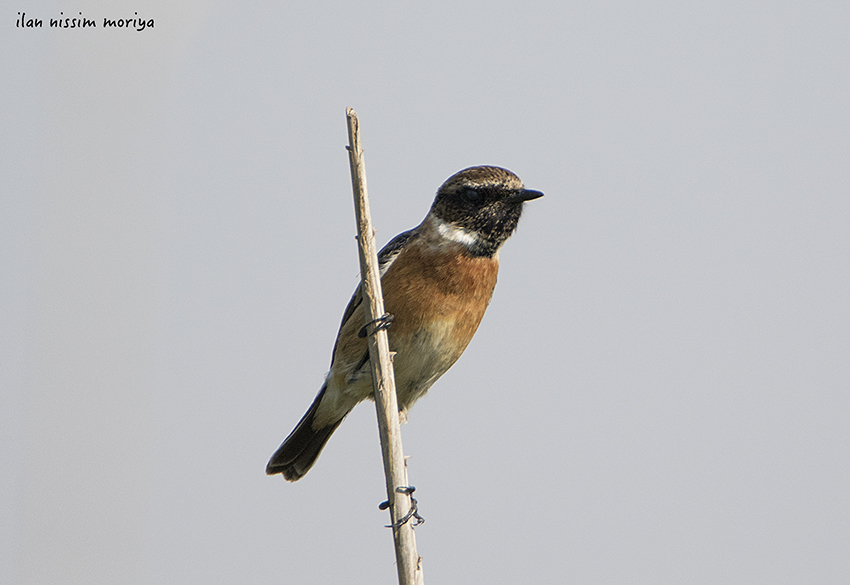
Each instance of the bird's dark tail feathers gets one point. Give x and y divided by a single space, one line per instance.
299 451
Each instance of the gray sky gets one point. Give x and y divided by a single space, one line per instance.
658 393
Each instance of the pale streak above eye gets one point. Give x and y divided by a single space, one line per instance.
457 234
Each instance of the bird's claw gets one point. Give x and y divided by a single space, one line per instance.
382 322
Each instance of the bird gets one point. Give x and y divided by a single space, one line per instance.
437 281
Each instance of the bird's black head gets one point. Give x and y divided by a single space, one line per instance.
485 204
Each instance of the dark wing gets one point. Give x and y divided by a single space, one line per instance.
390 252
386 257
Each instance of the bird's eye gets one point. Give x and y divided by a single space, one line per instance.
471 195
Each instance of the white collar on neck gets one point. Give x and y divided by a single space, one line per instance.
457 234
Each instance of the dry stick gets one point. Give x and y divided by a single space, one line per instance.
408 561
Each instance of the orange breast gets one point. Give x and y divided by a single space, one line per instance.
437 296
424 284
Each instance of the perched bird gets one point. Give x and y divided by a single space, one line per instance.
437 281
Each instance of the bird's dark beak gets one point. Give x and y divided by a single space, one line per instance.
525 195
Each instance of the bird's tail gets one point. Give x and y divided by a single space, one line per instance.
299 451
